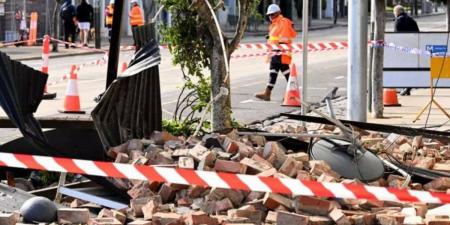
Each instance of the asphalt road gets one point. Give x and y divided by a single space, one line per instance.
248 76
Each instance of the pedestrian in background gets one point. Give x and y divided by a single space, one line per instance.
109 12
85 15
281 31
136 15
404 23
68 14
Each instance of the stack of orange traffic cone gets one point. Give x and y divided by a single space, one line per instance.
292 96
72 99
390 98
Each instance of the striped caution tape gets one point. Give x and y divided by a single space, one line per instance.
220 180
238 56
97 62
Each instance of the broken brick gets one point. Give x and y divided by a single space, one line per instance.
290 167
252 215
186 163
161 218
167 193
286 218
318 167
223 205
313 205
149 209
338 217
196 191
119 216
440 184
390 219
104 221
445 167
236 196
8 219
319 220
199 218
73 216
254 167
230 146
424 163
141 190
273 148
229 166
140 222
272 201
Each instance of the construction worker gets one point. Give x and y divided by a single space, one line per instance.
109 12
281 31
136 15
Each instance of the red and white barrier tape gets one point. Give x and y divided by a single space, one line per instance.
239 56
97 62
296 46
220 180
6 44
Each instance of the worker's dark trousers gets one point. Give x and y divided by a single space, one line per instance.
69 33
275 67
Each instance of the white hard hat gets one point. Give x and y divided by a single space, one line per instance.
111 2
273 8
133 1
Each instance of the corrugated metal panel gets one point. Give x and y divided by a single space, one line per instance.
131 107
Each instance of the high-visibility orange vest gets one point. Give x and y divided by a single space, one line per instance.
109 15
136 18
282 31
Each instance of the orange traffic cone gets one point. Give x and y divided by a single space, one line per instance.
72 99
390 97
292 96
124 67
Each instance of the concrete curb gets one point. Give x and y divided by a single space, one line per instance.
56 56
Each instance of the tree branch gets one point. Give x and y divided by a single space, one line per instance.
244 10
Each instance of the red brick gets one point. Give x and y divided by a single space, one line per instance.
236 196
140 222
437 221
245 150
112 152
252 215
199 152
223 205
326 178
76 203
290 167
167 193
272 201
254 167
257 140
105 213
229 166
440 184
445 167
73 216
313 205
149 209
320 220
318 167
276 149
300 156
285 218
199 218
424 163
186 163
8 219
104 221
268 173
304 175
390 219
369 204
395 181
230 146
417 142
119 216
196 191
254 195
140 191
167 219
338 217
271 217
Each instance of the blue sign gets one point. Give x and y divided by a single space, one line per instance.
436 49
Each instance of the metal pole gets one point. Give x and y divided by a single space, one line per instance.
304 76
114 47
320 9
97 22
357 61
46 17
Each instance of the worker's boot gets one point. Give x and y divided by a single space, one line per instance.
265 95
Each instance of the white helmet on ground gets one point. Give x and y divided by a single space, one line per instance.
273 8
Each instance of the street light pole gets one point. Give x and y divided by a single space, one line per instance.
357 61
305 16
97 26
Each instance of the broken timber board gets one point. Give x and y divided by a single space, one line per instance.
439 135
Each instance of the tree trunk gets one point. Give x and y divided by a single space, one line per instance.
378 55
221 109
54 31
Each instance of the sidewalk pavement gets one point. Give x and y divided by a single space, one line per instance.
405 114
411 106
